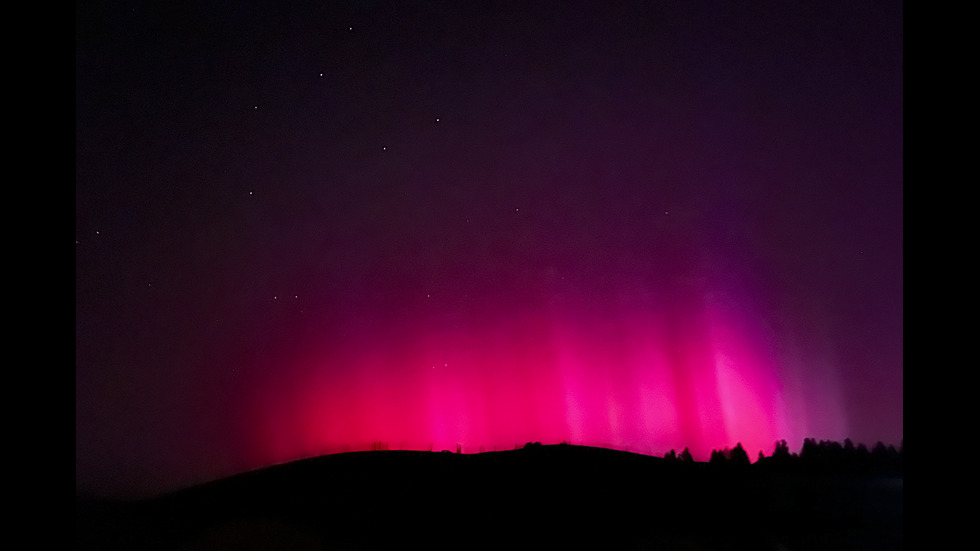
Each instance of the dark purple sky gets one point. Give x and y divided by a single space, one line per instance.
647 226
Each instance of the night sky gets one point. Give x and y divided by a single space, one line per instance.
640 225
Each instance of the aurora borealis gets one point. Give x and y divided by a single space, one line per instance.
646 226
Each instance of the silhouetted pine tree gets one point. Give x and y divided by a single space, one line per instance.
717 458
686 456
781 459
738 456
781 451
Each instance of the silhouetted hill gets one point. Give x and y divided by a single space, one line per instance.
538 497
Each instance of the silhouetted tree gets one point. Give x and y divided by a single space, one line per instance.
781 451
781 459
810 450
686 456
886 459
717 458
738 456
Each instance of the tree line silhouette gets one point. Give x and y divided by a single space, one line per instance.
830 493
816 457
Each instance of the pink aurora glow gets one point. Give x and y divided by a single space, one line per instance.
634 381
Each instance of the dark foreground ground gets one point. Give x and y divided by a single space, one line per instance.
540 497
